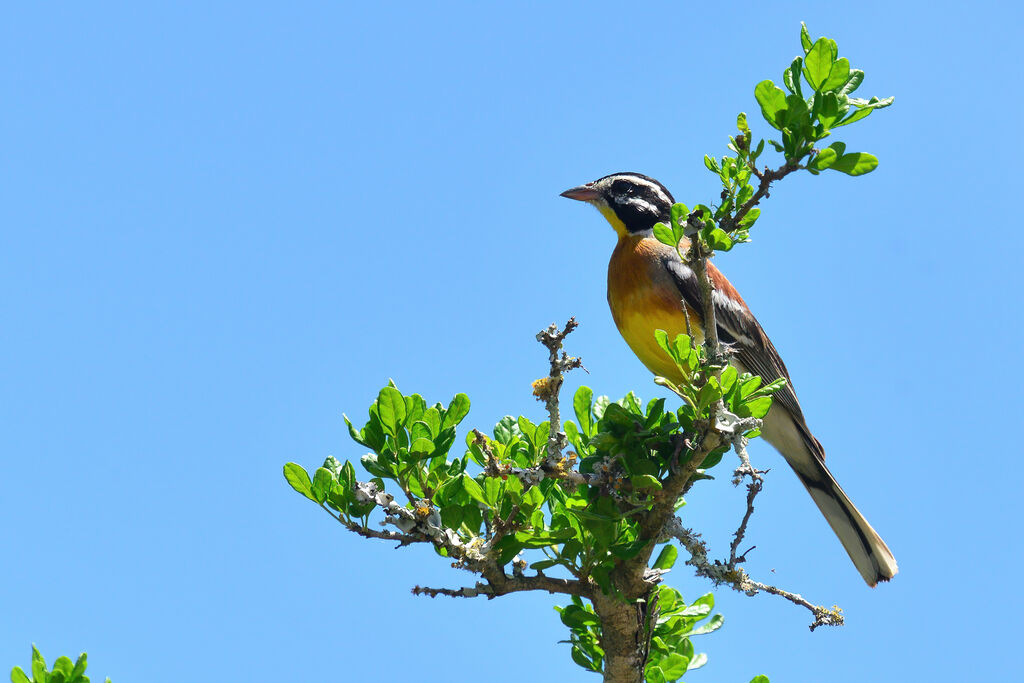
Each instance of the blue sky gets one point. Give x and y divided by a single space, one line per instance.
227 223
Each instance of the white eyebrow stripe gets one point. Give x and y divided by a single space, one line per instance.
653 186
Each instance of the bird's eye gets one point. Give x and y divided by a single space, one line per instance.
621 187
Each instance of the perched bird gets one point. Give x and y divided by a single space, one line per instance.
648 287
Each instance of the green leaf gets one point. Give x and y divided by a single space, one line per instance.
492 489
420 430
682 349
581 659
322 483
543 564
756 408
825 159
714 624
371 462
654 674
421 447
856 78
645 481
863 109
829 111
80 665
299 479
505 430
791 76
697 609
456 412
674 665
679 213
63 665
818 63
760 679
772 100
451 516
805 37
414 407
448 492
797 114
712 164
353 433
473 489
719 240
541 435
666 558
18 676
527 427
663 234
38 666
750 218
838 75
627 551
576 617
855 163
391 409
741 123
661 337
581 403
839 147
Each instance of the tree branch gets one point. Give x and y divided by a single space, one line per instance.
507 586
734 576
766 178
546 389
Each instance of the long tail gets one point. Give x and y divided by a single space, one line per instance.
865 547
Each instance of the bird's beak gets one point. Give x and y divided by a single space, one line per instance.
583 193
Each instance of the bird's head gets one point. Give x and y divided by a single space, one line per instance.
631 202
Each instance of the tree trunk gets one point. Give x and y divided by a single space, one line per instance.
620 639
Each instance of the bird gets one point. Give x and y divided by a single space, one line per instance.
650 288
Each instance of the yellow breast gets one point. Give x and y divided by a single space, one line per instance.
643 298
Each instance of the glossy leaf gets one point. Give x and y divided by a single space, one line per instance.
838 75
581 405
818 63
391 409
772 100
473 489
666 558
645 481
456 412
805 37
322 482
299 480
855 163
663 234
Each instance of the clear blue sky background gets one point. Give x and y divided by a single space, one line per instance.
224 224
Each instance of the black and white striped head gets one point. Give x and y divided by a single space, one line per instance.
631 202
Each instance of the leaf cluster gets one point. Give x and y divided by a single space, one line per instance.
64 670
505 500
818 98
803 121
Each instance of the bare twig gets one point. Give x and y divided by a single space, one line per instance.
546 389
738 579
753 488
766 178
466 592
